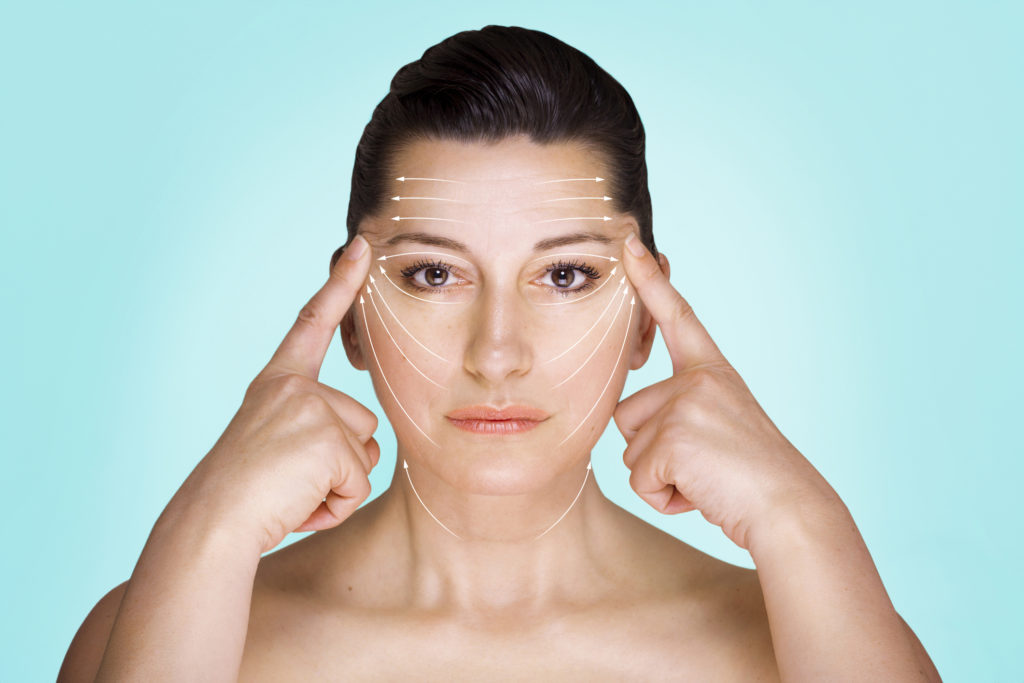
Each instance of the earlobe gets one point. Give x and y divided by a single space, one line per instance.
350 340
647 327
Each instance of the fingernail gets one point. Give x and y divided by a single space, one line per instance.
355 248
634 245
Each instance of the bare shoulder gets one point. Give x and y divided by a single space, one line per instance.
82 660
724 612
746 636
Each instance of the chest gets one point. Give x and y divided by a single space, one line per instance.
646 644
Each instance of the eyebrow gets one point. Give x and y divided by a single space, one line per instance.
455 245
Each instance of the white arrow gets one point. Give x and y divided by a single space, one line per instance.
405 464
563 199
414 253
570 504
601 341
577 218
439 199
402 179
614 368
581 298
606 307
369 338
404 354
570 253
385 274
569 180
425 218
384 301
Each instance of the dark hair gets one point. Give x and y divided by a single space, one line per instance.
498 82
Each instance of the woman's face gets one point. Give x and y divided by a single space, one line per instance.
501 290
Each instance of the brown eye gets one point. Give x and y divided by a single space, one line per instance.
563 277
435 276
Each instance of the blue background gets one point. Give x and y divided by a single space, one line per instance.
839 190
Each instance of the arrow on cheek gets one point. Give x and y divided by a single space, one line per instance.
615 367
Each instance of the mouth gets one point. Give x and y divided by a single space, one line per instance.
482 419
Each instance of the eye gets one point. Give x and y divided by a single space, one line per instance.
433 276
568 278
426 275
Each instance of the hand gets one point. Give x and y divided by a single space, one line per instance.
699 440
297 455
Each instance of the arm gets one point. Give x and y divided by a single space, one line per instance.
82 659
829 614
185 610
700 440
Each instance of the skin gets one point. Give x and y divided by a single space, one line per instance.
389 578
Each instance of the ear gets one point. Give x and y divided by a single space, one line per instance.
350 340
347 328
647 326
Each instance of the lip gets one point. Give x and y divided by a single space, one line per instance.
483 419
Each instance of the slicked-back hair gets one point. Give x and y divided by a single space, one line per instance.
499 82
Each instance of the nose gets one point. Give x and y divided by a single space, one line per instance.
498 347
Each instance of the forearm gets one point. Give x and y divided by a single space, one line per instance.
829 614
185 610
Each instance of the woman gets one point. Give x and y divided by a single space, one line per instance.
499 282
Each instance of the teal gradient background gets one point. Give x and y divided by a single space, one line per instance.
839 190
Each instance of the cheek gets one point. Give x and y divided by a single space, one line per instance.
591 370
409 370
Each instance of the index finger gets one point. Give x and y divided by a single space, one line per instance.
303 349
689 344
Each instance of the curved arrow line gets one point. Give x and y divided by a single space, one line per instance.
576 218
384 301
369 338
385 274
437 253
614 368
580 298
403 178
570 253
606 307
568 508
385 326
398 198
405 463
566 180
598 346
425 218
562 199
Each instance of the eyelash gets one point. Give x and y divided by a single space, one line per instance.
589 271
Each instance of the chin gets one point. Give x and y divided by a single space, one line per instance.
497 468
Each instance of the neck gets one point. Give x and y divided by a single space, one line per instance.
497 545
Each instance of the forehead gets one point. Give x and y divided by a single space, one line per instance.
513 163
482 190
510 175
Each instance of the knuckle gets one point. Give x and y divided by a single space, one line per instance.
702 376
682 310
373 450
628 456
695 414
619 415
685 414
311 314
255 385
650 270
364 487
292 384
306 403
343 276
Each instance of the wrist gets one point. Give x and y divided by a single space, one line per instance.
213 518
798 522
